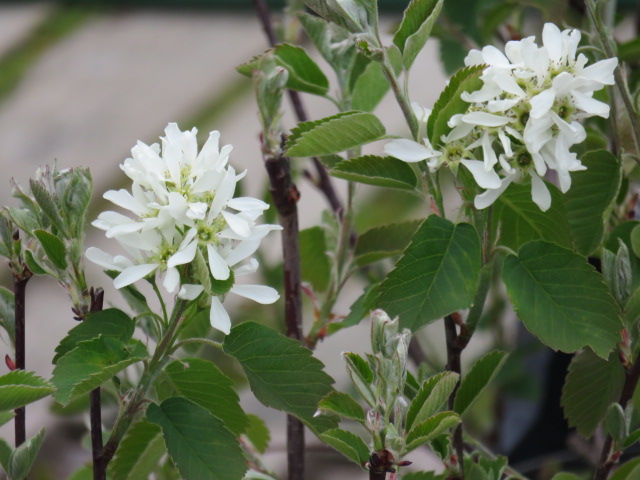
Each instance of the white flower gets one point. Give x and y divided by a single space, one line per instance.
182 214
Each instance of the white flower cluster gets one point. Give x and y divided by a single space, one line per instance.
185 223
524 119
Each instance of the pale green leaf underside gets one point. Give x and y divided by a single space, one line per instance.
432 395
281 372
378 171
334 134
414 31
199 443
437 274
347 443
20 387
561 299
344 405
430 429
478 378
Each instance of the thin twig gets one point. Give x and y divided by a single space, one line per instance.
323 182
285 198
95 407
19 288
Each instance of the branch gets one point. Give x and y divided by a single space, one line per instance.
323 182
285 197
454 352
95 407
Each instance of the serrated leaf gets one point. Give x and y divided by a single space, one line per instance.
91 363
281 372
343 405
20 387
193 378
198 443
314 261
139 453
6 417
592 384
379 171
415 29
22 457
110 322
258 433
627 471
334 134
325 37
348 14
7 313
430 429
590 196
369 88
449 103
561 299
385 241
437 274
519 220
347 443
432 395
5 454
53 247
474 382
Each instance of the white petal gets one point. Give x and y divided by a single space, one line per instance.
184 255
218 265
485 119
243 204
247 269
552 40
542 103
171 279
487 198
218 316
492 56
483 178
408 150
190 292
124 199
133 274
257 293
237 224
223 194
540 193
602 71
243 250
590 105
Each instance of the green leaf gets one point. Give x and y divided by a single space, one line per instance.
518 220
334 134
379 171
6 417
592 384
24 219
92 363
304 73
281 372
347 443
385 241
198 443
415 29
83 473
616 425
22 457
193 378
314 261
258 433
20 387
325 36
348 14
561 299
565 476
361 376
7 313
343 405
623 232
627 471
53 247
369 88
437 274
449 103
32 264
430 429
108 323
432 395
139 453
591 194
47 204
5 454
474 382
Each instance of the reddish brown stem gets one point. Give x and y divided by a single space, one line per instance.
454 353
19 288
95 407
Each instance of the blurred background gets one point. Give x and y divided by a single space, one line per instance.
81 82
